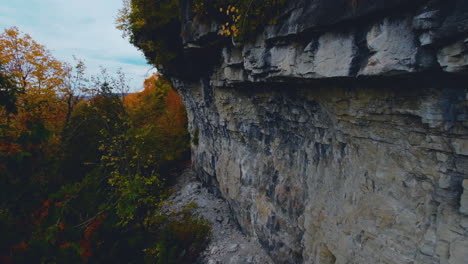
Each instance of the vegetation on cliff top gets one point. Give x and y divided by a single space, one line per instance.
155 26
240 19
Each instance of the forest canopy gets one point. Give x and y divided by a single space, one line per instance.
85 166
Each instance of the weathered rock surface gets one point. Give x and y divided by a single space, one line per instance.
340 135
365 173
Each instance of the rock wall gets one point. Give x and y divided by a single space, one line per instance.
340 135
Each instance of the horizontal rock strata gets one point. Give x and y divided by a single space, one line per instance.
340 134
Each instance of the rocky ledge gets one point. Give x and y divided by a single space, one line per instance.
340 134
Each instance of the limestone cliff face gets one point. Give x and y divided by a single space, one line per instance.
341 134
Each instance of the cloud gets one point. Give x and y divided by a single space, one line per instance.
84 28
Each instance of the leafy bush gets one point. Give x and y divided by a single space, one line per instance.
180 237
240 18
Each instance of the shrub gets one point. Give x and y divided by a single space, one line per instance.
240 19
180 237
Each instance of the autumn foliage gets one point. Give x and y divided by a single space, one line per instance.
160 115
39 78
90 231
80 176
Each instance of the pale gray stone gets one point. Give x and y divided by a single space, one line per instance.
426 38
444 181
458 252
393 47
460 146
454 57
232 248
426 20
334 56
464 198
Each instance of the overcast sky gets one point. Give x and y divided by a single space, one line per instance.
84 28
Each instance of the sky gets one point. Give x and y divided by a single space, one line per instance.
83 28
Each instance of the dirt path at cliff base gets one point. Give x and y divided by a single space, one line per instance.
228 245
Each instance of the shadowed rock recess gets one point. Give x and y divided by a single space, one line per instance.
340 134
